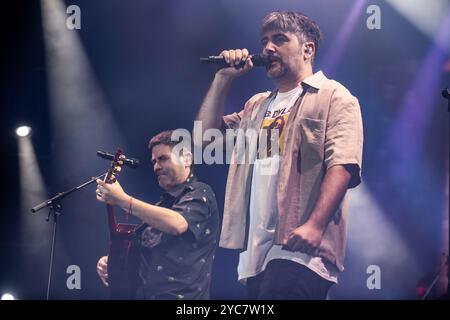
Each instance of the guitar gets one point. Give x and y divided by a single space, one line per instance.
123 255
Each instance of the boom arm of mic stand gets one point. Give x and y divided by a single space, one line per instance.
61 195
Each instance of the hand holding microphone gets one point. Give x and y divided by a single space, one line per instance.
235 62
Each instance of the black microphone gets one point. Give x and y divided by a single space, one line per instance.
130 162
446 93
259 60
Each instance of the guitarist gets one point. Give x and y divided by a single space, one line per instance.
180 235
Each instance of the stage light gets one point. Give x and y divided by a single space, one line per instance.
33 230
8 296
370 232
340 44
23 131
78 108
413 11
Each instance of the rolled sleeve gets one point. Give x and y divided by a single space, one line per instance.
195 207
344 135
231 121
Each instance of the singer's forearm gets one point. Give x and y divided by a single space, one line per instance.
332 192
212 107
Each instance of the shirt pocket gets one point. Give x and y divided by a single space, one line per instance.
312 139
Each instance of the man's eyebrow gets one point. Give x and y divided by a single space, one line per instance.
158 158
279 34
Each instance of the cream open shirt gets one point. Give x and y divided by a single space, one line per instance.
324 129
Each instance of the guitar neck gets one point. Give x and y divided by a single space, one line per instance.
112 223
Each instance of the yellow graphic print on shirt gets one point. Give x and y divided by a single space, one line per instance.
273 120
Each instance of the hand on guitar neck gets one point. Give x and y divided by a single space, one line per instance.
112 193
118 270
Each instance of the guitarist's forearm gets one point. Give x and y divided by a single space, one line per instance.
163 219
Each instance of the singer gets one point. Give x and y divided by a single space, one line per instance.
180 233
290 224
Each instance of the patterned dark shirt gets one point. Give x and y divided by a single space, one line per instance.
179 267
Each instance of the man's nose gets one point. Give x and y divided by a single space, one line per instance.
269 48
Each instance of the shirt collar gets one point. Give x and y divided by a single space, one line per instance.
178 190
316 80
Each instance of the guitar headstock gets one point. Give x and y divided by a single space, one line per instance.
116 167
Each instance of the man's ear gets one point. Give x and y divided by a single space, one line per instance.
309 50
187 158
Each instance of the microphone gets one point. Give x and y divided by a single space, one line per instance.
259 60
130 162
446 93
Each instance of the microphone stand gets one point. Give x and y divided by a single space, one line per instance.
445 94
55 209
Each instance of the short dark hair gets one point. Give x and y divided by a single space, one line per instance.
165 138
296 22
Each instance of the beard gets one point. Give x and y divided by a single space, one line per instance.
164 180
276 70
